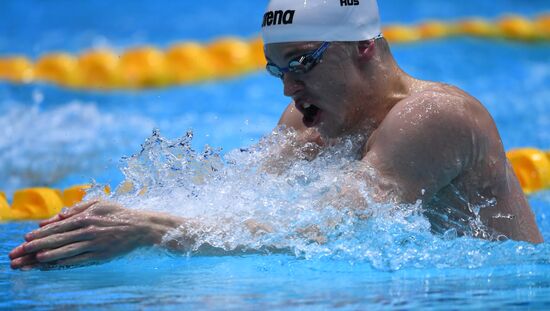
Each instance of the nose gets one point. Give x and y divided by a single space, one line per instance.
292 85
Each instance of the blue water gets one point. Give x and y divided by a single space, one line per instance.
58 137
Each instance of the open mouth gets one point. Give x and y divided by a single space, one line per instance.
312 114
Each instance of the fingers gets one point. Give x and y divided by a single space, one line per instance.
58 240
18 252
51 242
50 220
78 208
48 250
69 212
57 227
24 261
55 235
64 252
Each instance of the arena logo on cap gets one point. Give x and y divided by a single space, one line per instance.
278 17
349 2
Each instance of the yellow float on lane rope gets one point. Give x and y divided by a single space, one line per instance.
401 34
35 203
517 27
477 27
231 57
532 167
99 69
435 30
59 68
542 26
143 67
41 203
74 194
16 69
5 212
188 63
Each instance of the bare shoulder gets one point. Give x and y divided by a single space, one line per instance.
439 111
429 137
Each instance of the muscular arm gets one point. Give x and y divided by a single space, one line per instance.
422 145
428 143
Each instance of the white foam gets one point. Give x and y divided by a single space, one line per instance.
238 203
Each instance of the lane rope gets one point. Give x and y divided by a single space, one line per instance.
192 62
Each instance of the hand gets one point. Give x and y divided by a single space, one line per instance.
87 233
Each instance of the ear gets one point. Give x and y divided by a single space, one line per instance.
366 49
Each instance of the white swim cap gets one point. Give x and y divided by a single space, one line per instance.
320 20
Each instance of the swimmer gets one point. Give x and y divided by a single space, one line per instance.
429 141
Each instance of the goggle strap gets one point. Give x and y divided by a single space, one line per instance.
320 50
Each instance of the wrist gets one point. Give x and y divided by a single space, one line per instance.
156 226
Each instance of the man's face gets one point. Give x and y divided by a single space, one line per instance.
327 95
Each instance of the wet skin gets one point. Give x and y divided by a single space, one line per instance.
427 141
91 232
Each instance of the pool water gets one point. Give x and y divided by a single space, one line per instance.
58 137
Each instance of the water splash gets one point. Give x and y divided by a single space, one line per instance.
40 147
264 198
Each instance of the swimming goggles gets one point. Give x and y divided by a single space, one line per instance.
299 65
